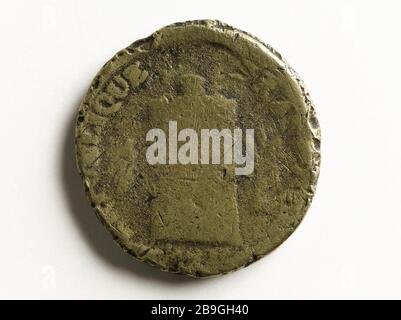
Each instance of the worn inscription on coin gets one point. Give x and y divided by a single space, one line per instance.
198 148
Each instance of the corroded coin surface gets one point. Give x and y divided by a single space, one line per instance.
198 148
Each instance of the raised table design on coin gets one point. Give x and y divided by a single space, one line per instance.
188 211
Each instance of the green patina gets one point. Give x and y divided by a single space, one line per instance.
199 220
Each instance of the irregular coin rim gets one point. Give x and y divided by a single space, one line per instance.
267 49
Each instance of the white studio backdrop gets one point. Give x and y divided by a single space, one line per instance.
348 54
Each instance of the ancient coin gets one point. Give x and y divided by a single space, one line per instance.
198 148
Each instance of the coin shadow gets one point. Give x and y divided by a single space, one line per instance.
92 231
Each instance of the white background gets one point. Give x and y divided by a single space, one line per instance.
347 52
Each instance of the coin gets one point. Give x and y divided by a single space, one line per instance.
198 148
